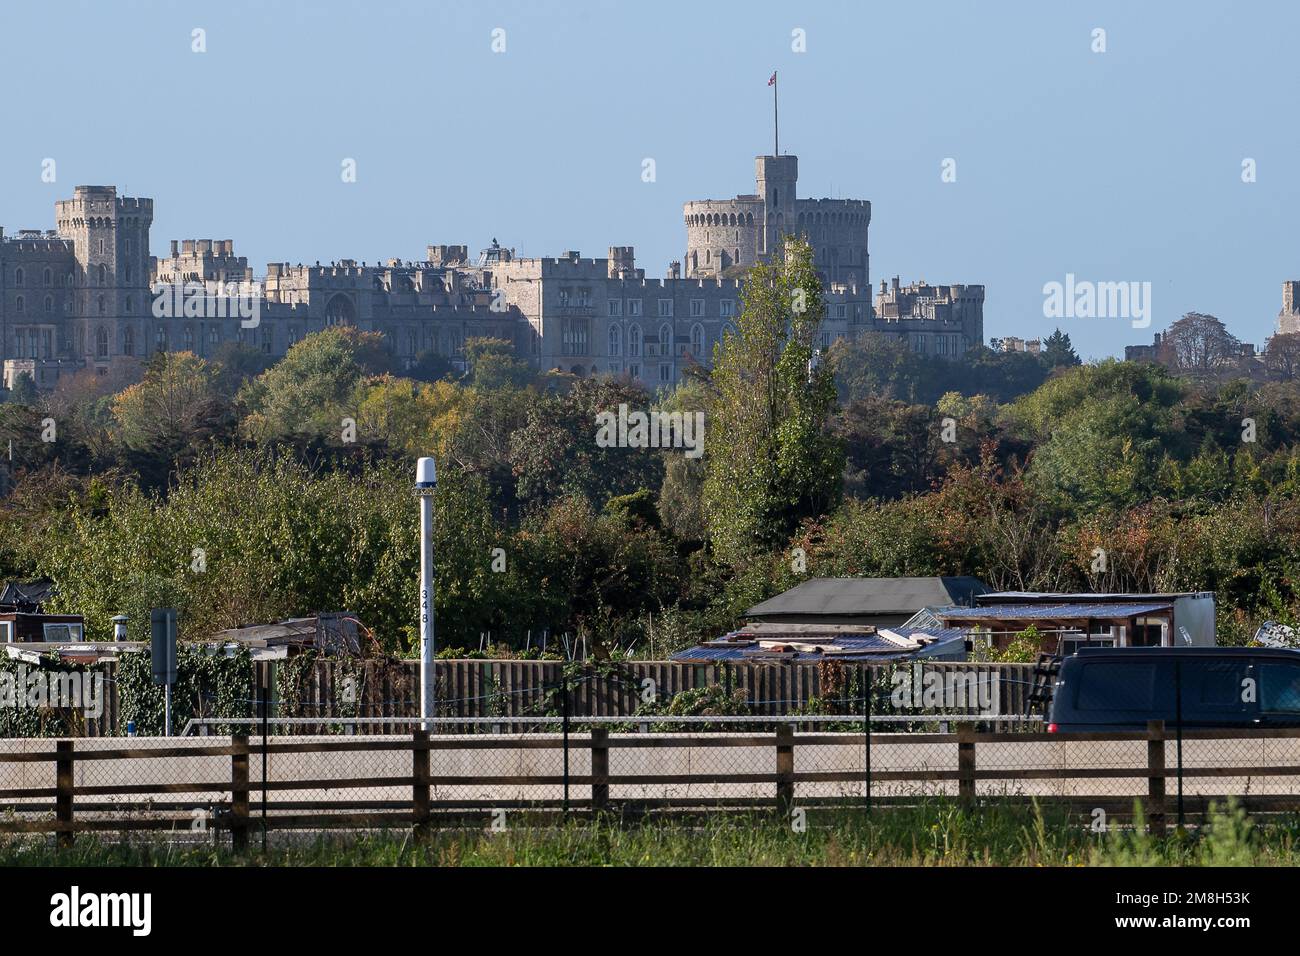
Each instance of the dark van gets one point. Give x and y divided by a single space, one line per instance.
1204 687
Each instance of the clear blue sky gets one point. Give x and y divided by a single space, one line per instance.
1117 166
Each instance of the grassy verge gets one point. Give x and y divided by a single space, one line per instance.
939 834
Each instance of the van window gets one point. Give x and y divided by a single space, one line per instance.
1116 686
1213 685
1279 688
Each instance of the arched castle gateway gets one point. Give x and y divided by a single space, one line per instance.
726 236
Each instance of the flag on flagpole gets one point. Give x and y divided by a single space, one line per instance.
772 81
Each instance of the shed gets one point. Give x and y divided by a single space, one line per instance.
875 602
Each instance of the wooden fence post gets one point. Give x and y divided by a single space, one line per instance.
599 769
63 784
966 763
239 793
1156 781
784 768
420 783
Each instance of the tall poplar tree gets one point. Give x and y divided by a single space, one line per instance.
770 458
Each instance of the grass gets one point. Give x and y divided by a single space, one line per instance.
938 834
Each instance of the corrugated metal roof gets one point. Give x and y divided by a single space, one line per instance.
1048 611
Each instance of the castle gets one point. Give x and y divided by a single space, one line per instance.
86 295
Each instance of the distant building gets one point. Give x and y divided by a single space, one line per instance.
943 321
1288 320
87 294
881 602
1013 343
1068 621
1143 353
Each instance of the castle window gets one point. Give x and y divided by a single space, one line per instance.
130 306
615 340
665 372
697 308
47 277
665 340
633 306
634 370
49 304
101 342
189 338
20 305
103 273
128 273
697 340
727 307
160 339
103 307
128 340
19 277
634 344
584 297
665 308
214 335
563 296
615 307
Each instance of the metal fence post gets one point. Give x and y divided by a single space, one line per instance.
420 783
1156 778
63 782
966 763
868 683
239 793
564 684
599 768
1178 731
266 729
784 769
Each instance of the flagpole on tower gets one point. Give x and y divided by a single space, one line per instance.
776 119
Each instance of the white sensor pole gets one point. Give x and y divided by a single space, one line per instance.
426 480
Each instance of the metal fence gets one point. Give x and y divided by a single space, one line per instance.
220 788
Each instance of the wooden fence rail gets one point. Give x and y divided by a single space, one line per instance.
418 798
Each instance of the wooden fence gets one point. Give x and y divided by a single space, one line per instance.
412 793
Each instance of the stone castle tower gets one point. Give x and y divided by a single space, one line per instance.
111 271
726 236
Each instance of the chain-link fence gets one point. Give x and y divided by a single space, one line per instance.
1174 732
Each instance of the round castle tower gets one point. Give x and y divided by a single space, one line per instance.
726 236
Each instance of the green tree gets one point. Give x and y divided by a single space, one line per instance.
492 363
556 454
177 404
306 394
1058 351
771 459
24 390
